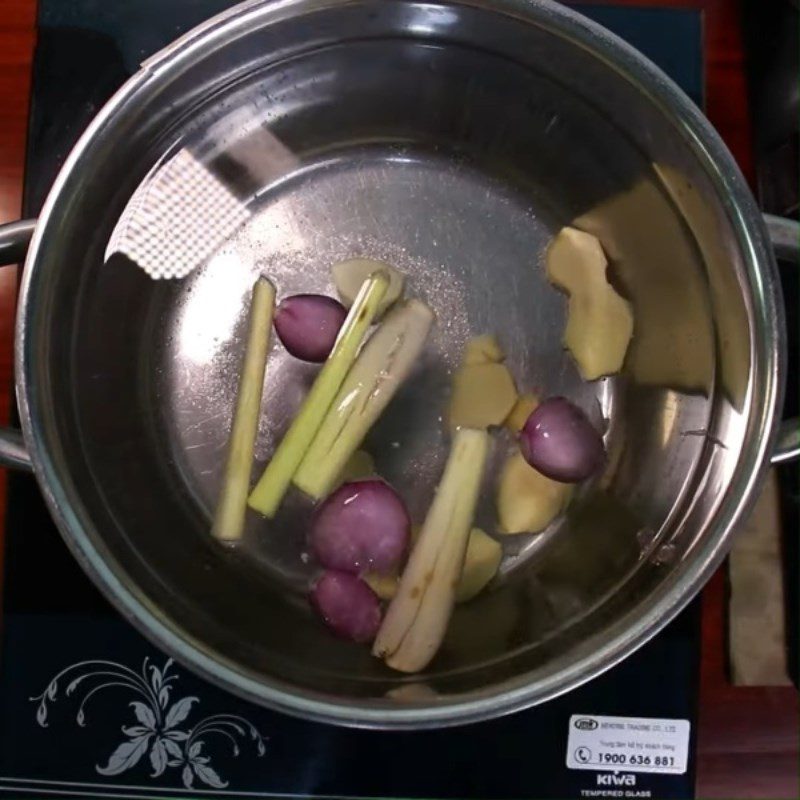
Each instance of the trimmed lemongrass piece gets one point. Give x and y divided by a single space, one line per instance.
383 364
349 275
272 486
417 618
228 523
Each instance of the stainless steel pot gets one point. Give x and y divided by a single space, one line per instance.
454 139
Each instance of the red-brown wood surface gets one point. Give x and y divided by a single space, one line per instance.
748 737
17 38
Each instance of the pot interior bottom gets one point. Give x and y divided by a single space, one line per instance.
469 246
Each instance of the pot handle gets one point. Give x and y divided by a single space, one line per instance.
14 240
785 237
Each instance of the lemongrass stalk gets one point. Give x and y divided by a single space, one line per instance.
417 618
383 364
229 515
271 487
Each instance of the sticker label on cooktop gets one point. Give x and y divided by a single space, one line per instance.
628 744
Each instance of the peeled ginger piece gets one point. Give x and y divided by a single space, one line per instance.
483 389
483 395
523 408
385 586
360 465
599 322
348 276
480 565
527 501
482 349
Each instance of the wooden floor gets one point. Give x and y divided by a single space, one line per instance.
748 737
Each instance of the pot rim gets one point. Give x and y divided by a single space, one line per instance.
642 621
